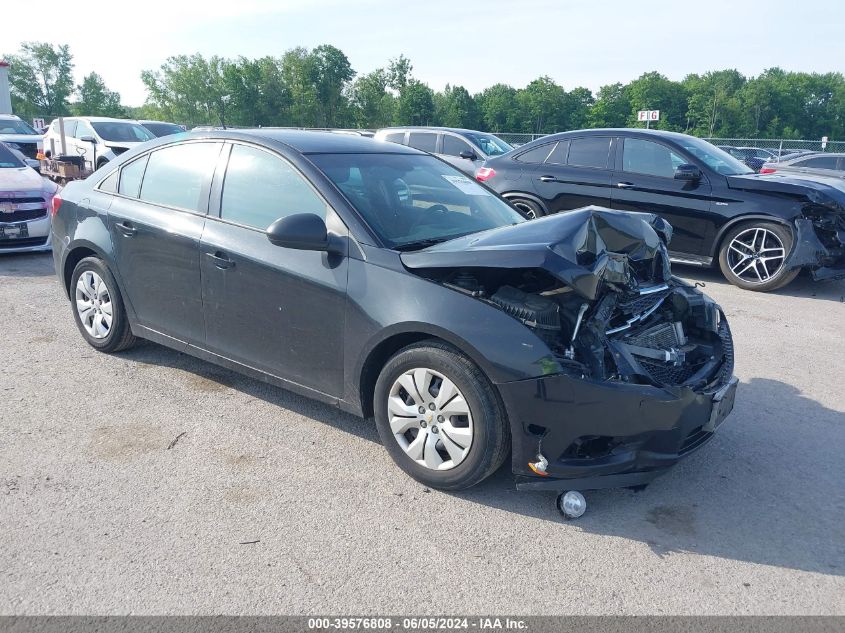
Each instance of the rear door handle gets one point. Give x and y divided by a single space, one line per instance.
547 179
126 228
221 260
625 185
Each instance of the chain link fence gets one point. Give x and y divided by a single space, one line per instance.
781 146
517 138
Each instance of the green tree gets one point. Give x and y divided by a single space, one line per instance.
653 91
41 79
415 105
611 108
399 72
95 99
372 104
498 108
188 89
454 107
332 73
540 104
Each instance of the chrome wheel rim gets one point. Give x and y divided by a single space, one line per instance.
430 419
526 209
93 304
756 255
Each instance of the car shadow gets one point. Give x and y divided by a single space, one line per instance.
203 373
26 264
803 286
759 492
765 490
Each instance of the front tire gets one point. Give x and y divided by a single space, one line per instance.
753 254
98 307
439 417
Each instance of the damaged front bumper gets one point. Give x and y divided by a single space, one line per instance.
820 246
573 433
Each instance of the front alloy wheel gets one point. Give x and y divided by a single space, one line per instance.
753 256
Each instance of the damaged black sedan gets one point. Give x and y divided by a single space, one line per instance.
385 282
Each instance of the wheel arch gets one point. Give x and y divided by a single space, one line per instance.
513 195
384 349
726 228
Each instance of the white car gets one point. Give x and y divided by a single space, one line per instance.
26 201
19 135
97 139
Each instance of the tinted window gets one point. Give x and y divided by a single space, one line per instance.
536 155
109 185
175 175
425 141
8 159
260 188
15 126
395 137
122 131
592 151
559 153
823 162
163 129
130 177
453 146
646 157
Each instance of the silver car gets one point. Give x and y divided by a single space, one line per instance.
25 203
819 163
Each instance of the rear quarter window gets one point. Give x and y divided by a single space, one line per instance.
535 155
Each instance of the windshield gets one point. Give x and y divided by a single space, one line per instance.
163 129
122 131
8 160
414 201
716 159
15 126
489 144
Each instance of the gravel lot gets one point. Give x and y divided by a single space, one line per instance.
271 503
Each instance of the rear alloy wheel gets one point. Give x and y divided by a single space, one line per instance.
439 417
753 255
529 209
98 307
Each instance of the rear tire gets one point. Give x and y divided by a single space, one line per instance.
98 307
752 255
528 208
417 426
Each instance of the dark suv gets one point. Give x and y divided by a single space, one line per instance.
762 229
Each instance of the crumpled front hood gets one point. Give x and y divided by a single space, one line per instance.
825 190
582 248
22 179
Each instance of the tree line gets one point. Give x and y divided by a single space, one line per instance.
319 88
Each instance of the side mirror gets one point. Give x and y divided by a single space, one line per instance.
302 231
88 139
468 154
688 172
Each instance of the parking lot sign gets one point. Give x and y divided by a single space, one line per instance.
38 123
648 116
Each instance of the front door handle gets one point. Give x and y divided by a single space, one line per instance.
547 179
221 260
126 228
625 185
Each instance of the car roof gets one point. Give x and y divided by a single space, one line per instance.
98 119
311 142
817 155
10 116
142 121
629 131
434 128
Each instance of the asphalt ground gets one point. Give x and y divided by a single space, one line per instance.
152 483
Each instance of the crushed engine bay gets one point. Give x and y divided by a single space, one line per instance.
596 287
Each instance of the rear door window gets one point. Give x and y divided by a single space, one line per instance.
536 155
395 137
590 151
823 162
425 141
130 177
559 154
176 175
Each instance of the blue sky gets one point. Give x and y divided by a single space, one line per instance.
470 43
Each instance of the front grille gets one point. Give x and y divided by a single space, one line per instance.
23 216
668 374
642 303
22 242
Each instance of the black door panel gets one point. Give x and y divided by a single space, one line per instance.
262 302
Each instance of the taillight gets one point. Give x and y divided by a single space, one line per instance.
484 174
57 202
767 170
